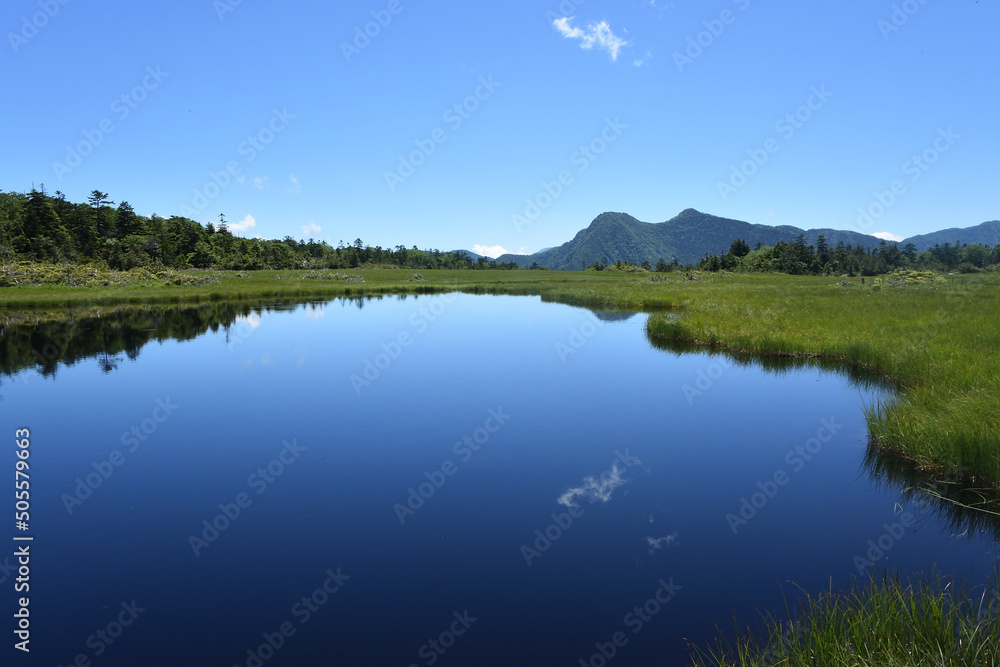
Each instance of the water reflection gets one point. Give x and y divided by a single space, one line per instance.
44 340
860 378
964 508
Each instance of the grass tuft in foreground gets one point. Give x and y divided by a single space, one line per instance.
882 623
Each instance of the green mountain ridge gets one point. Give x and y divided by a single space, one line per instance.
986 234
691 235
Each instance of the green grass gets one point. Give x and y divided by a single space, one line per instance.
935 340
882 623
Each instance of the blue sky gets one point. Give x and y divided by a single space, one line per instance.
461 125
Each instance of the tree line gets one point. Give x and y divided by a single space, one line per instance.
43 228
800 258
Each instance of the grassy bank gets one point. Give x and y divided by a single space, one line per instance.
936 340
882 623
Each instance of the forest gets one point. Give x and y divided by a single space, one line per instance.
798 258
43 228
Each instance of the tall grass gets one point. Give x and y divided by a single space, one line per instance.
937 342
884 622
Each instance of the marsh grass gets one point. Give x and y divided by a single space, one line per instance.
882 622
932 337
935 341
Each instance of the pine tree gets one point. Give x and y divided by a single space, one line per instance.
43 229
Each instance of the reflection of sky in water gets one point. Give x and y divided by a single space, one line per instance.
578 429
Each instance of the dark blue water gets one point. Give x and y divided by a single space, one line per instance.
461 480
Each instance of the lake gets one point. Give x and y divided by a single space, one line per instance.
436 480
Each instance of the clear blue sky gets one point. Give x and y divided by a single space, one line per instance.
557 78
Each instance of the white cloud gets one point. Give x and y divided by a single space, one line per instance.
598 34
594 489
657 543
252 320
295 188
312 230
495 251
243 225
888 236
639 62
260 183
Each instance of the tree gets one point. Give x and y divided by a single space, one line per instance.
822 249
128 223
98 200
739 248
661 265
46 236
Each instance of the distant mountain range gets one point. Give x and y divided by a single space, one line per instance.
986 234
692 234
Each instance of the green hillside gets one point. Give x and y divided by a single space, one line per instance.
986 234
687 237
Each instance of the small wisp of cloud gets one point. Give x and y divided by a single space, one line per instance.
243 225
888 236
494 251
657 543
596 34
595 489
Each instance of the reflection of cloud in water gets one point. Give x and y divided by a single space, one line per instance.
657 543
594 489
252 320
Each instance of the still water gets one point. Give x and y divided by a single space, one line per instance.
434 480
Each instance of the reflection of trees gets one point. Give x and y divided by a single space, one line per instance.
614 315
779 365
44 340
965 508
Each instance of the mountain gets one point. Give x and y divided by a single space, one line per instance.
687 237
473 256
986 234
